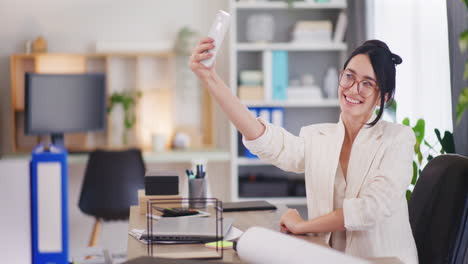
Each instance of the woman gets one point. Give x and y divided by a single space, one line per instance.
356 171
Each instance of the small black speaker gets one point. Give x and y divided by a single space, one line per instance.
161 183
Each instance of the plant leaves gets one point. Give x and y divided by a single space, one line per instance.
463 41
406 121
419 130
408 195
462 104
465 75
447 143
415 173
427 144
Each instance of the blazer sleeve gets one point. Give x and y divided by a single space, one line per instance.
279 147
382 195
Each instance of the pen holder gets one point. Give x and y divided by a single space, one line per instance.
197 191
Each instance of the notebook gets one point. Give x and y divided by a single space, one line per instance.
248 206
190 230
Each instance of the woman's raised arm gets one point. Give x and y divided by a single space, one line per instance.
239 115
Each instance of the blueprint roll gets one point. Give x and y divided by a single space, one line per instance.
259 245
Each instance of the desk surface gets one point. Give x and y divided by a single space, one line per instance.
242 220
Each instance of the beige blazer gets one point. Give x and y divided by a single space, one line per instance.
379 172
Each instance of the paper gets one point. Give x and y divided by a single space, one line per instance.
234 233
263 246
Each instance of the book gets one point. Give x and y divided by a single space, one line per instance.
340 27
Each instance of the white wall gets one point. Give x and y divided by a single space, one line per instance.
15 221
417 30
76 25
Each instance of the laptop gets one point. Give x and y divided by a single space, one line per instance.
188 229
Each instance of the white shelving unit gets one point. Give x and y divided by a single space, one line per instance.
324 46
292 104
303 58
283 5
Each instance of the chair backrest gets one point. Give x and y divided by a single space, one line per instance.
437 209
112 179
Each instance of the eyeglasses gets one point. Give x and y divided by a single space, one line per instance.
365 88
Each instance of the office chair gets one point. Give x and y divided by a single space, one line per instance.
112 179
438 210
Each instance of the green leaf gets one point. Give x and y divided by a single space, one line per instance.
462 104
415 173
406 122
429 157
408 195
466 2
465 75
463 41
428 145
447 142
419 130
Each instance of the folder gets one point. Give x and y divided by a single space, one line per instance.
49 210
248 206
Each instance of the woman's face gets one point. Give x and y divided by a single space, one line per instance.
353 104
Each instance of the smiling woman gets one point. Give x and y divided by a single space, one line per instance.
356 171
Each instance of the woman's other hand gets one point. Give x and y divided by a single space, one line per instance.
290 222
199 53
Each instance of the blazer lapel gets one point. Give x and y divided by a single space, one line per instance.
365 146
333 140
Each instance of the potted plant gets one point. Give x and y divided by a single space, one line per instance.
127 100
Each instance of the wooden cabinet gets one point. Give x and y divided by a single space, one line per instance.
153 74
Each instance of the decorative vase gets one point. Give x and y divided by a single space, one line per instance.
40 45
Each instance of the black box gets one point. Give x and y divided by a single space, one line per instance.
161 183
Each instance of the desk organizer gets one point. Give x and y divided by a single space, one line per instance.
186 251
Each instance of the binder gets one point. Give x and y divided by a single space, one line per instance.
280 75
49 210
277 116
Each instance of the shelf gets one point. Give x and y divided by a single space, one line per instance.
296 5
152 157
290 46
161 54
297 104
277 200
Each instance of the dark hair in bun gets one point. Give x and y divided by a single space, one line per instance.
383 62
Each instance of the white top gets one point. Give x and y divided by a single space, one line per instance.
379 172
338 238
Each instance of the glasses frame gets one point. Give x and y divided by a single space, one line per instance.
358 85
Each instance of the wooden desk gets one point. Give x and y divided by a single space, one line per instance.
242 220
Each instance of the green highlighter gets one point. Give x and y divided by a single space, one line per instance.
221 244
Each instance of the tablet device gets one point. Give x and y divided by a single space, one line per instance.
248 206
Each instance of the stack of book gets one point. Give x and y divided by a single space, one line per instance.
251 85
304 93
312 31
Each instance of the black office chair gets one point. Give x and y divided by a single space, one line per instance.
438 211
110 186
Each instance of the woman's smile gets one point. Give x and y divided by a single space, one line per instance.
351 100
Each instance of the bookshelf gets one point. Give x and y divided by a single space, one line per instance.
251 178
151 73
